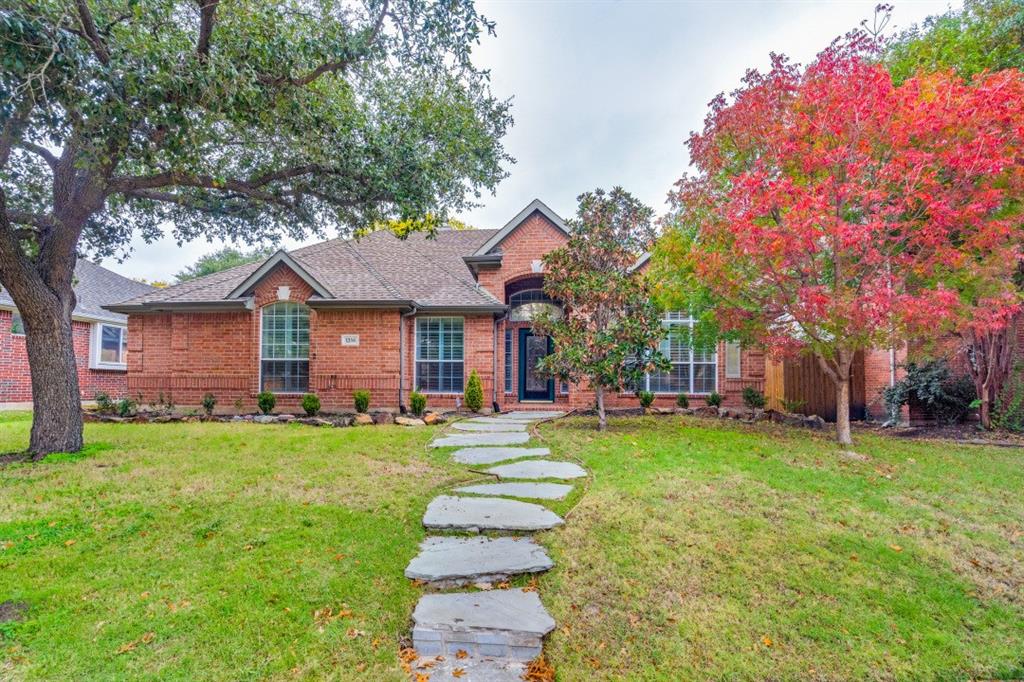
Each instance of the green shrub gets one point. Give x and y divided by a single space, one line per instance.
239 405
103 402
682 401
418 403
474 394
266 401
361 398
753 398
311 404
714 400
793 406
646 399
209 402
932 384
126 407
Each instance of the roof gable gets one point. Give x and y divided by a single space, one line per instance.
280 257
535 206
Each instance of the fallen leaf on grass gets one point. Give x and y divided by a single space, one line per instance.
504 585
767 640
458 672
422 677
634 620
896 548
130 646
461 654
68 543
352 633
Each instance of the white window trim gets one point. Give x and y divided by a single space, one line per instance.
96 347
669 320
259 365
416 354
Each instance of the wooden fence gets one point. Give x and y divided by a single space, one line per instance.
802 380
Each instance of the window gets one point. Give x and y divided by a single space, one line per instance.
508 361
525 306
284 348
693 371
439 355
109 346
732 360
17 326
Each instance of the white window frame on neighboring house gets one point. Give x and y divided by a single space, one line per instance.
684 358
96 360
440 360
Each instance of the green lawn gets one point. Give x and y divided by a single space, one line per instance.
700 550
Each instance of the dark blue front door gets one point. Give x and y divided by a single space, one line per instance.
532 384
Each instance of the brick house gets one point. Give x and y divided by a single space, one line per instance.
387 315
100 336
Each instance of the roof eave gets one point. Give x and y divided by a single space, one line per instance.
463 309
361 304
181 306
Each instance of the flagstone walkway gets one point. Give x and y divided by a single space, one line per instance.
487 635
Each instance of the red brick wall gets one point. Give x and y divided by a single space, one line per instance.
534 237
16 380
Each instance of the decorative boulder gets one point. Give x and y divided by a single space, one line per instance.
409 421
433 418
383 418
265 418
362 419
706 411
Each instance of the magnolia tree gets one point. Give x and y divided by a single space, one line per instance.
609 331
836 212
240 120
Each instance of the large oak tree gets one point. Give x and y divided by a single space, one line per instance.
237 120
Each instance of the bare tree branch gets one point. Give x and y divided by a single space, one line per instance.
207 9
89 27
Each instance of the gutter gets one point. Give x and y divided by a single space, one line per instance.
401 353
181 306
359 304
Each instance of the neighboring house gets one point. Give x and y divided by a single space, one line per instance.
390 316
100 336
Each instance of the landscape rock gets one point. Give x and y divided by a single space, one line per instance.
265 418
705 411
433 418
409 421
362 419
383 418
314 421
814 422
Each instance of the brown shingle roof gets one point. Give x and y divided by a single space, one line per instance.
428 271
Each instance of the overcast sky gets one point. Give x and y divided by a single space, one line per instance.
606 93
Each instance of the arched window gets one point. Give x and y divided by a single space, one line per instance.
524 306
284 348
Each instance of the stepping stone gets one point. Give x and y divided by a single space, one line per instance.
490 428
470 669
498 420
492 455
457 561
502 624
472 439
525 414
538 491
448 512
538 469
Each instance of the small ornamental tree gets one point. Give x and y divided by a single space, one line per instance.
240 120
836 212
610 330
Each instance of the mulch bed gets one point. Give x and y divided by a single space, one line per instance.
964 434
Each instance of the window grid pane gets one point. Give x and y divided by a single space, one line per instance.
113 344
284 348
693 371
439 354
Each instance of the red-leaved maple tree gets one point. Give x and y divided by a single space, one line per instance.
835 211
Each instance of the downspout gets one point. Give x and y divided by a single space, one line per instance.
401 352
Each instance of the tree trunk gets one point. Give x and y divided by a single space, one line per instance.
56 401
843 410
990 361
602 416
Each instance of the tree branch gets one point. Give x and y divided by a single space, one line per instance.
91 35
42 222
40 151
207 9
